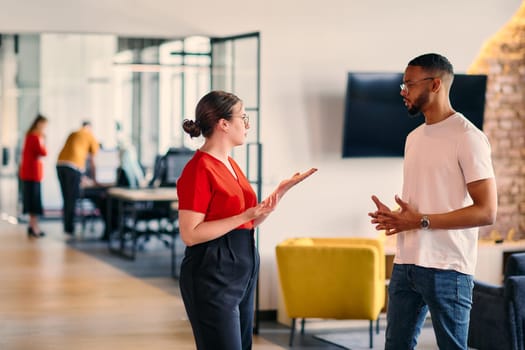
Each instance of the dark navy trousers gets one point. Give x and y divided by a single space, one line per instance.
69 180
217 283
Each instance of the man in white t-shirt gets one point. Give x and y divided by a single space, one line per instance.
449 191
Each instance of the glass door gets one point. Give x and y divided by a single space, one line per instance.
235 67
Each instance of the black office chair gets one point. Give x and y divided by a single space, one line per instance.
144 220
497 318
88 207
156 219
168 167
87 212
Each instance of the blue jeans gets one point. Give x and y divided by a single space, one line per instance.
413 291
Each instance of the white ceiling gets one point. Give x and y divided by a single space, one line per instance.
129 17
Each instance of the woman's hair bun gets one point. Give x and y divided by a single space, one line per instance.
191 127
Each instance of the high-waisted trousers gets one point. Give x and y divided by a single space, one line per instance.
217 283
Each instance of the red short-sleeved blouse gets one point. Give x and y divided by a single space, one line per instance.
207 186
31 167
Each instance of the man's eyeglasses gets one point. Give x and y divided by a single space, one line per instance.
404 86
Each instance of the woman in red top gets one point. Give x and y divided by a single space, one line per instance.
31 173
218 212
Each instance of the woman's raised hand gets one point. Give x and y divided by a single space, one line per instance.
263 209
286 184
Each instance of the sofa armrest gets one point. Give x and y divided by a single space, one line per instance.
515 295
488 318
490 290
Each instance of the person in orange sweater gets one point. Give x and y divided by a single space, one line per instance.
31 174
80 147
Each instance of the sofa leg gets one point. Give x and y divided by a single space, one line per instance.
302 326
371 331
292 332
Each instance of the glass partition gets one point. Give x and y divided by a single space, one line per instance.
134 91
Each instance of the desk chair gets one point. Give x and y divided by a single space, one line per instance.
168 167
155 219
167 171
144 220
87 210
87 213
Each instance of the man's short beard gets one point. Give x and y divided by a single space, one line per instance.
415 110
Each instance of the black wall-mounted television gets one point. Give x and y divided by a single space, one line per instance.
376 121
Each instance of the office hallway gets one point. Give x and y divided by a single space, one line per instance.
55 297
60 295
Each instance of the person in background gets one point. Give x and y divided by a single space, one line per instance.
448 192
129 172
80 147
31 173
129 175
218 212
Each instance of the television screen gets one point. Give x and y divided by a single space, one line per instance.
376 121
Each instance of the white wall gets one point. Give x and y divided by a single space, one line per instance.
8 103
307 49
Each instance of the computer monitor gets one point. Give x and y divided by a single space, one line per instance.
168 167
175 163
106 163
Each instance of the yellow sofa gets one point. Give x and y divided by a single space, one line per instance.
336 278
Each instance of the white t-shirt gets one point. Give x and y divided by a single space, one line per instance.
440 160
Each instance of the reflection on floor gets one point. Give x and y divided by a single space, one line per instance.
331 334
9 206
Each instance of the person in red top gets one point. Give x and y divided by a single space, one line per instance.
31 174
218 211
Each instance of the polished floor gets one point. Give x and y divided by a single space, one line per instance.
53 297
61 294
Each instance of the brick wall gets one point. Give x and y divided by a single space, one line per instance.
502 59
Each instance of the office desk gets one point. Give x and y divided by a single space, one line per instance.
159 194
129 201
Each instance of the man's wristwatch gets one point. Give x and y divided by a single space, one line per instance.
424 223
